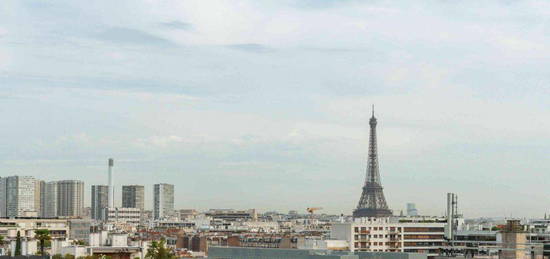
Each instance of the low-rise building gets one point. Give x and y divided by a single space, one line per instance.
406 234
79 229
59 228
123 215
255 253
232 215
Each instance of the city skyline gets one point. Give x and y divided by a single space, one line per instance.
268 105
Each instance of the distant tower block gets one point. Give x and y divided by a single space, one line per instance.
111 184
411 209
372 202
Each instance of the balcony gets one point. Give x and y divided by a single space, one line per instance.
362 239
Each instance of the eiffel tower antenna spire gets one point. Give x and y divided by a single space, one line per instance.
372 202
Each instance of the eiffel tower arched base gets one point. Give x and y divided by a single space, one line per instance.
368 212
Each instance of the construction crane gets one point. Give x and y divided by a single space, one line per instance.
312 210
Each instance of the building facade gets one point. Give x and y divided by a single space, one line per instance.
49 200
3 197
133 196
17 196
411 209
59 228
38 185
70 198
123 215
232 215
79 229
100 200
163 203
410 235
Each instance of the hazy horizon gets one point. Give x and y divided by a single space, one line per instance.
265 104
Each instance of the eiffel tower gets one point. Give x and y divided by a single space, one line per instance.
372 202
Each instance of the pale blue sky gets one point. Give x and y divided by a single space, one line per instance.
264 104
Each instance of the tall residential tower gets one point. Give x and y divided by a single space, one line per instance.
17 196
163 205
70 198
133 196
49 200
100 196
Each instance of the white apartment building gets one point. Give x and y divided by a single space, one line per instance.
163 205
59 228
123 215
17 196
400 234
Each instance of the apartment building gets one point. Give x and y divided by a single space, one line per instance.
163 202
59 228
100 201
133 196
70 198
123 215
403 234
17 196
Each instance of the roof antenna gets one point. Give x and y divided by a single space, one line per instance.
373 110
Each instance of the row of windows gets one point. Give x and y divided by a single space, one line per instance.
476 238
422 244
423 229
423 237
363 229
364 236
375 250
373 243
431 251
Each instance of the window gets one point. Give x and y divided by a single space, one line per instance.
423 237
423 229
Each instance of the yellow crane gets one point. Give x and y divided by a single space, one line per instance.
311 211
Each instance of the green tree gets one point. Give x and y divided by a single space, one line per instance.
79 243
42 235
57 256
69 256
158 250
1 240
18 244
